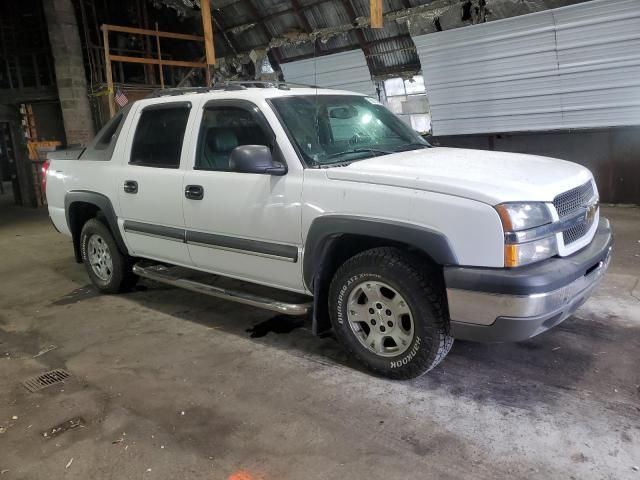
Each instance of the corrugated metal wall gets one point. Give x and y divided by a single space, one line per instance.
346 71
571 67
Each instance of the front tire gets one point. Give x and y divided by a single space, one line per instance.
109 270
387 308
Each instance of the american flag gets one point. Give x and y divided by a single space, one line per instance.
120 98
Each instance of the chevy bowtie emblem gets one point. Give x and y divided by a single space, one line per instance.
590 214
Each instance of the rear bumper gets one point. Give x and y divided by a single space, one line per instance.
509 305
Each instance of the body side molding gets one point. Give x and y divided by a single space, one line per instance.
152 230
221 242
243 245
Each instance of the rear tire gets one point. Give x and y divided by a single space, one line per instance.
388 309
109 270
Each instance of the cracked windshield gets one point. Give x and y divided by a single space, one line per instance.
338 129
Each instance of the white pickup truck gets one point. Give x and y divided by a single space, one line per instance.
323 201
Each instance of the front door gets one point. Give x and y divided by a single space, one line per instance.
242 225
150 183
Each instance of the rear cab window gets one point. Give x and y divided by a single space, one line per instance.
159 135
103 144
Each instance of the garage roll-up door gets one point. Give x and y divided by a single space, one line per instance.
571 67
344 71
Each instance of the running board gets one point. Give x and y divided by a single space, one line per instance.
162 274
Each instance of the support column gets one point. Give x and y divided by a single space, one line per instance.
66 48
205 10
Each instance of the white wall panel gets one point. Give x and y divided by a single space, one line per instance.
345 71
599 63
572 67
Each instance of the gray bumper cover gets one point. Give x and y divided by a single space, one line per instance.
508 305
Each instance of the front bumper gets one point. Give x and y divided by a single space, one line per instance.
509 305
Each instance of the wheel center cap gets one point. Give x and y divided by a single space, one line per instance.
388 321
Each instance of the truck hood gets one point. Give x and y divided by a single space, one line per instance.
486 176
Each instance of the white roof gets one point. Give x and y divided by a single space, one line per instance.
254 94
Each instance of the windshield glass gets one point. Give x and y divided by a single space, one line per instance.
334 129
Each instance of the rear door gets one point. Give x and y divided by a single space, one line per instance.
150 183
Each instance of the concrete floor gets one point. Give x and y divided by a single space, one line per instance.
171 385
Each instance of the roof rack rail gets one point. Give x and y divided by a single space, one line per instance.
167 92
238 84
228 85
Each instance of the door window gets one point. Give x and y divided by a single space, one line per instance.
222 130
159 136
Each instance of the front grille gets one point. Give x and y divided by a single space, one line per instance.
573 200
576 232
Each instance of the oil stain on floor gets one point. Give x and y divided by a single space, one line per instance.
277 324
77 295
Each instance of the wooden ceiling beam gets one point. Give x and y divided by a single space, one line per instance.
152 33
375 7
207 28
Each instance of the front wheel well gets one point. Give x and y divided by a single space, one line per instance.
338 249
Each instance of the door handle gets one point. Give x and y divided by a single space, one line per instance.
194 192
130 186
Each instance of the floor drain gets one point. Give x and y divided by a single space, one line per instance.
44 380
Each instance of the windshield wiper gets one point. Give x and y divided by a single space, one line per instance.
377 151
410 146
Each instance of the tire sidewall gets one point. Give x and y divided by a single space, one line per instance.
425 343
113 283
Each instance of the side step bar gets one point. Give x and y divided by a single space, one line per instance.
162 274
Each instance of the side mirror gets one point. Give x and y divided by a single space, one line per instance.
430 140
255 159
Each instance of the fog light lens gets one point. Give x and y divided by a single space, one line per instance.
523 253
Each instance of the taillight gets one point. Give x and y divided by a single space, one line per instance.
43 179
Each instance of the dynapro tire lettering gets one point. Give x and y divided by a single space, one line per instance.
340 300
408 357
83 249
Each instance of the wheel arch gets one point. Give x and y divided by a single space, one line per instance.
333 239
82 205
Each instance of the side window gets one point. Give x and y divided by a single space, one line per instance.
223 129
159 135
103 144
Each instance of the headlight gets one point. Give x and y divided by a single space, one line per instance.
527 235
521 216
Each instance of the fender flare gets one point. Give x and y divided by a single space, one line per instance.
326 230
104 204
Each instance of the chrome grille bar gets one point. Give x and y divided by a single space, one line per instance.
573 200
577 202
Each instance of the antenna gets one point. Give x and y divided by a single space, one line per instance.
315 82
315 65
